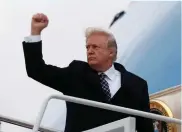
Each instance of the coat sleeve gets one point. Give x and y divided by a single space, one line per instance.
49 75
145 124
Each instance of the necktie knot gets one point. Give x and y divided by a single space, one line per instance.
103 76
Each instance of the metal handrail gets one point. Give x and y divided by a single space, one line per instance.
103 106
24 124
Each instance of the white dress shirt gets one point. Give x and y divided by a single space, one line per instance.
113 76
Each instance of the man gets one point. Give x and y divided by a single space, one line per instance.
101 79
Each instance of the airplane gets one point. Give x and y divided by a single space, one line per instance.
149 37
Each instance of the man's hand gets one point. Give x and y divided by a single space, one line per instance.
39 22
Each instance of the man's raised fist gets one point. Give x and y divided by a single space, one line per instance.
39 22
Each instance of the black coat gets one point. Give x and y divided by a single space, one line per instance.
79 80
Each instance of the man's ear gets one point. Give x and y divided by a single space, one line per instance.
111 50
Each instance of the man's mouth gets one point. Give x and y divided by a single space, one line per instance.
91 58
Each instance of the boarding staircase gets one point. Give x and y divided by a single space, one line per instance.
123 125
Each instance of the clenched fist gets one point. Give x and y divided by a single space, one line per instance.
39 22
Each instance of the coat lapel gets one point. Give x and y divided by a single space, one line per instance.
122 91
94 86
122 70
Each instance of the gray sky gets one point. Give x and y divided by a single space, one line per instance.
63 41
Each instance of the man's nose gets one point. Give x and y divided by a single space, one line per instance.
90 51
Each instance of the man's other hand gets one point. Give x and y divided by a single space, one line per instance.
39 22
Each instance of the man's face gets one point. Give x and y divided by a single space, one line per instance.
98 52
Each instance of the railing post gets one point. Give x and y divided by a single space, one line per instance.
41 114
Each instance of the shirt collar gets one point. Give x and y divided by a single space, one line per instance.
110 72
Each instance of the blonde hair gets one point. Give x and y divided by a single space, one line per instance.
111 39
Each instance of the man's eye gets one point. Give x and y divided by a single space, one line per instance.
95 47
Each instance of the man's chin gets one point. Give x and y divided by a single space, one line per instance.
92 62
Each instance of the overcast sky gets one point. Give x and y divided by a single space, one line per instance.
63 41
